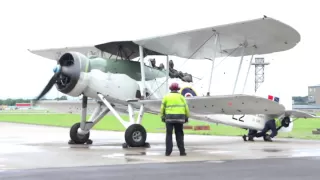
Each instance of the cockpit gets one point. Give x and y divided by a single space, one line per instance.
173 73
129 51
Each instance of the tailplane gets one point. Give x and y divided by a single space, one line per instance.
272 94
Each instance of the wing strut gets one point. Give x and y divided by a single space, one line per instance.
213 59
244 45
143 85
245 81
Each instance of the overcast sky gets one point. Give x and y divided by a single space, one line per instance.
45 24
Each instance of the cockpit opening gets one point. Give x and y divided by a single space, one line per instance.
173 73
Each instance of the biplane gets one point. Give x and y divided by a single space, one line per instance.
117 84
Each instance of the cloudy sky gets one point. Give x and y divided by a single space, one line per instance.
42 24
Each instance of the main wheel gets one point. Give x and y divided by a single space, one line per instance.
78 138
135 135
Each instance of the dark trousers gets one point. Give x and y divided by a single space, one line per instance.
252 132
178 129
270 125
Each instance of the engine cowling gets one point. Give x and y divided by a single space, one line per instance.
73 82
68 75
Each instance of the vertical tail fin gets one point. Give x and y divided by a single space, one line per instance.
271 92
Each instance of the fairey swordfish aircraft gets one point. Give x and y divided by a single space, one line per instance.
115 83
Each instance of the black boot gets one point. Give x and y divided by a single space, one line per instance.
244 137
250 138
267 138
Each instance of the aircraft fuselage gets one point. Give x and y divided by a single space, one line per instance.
119 81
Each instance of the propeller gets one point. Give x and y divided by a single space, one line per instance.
63 72
48 87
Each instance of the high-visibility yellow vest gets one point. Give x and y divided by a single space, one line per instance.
174 107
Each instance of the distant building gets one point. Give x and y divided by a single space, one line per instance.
307 108
314 94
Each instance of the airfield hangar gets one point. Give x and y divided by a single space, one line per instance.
311 103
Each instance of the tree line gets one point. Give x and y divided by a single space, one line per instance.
12 102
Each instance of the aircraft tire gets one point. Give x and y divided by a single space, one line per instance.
285 122
135 135
75 137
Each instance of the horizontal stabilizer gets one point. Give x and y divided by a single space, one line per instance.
299 114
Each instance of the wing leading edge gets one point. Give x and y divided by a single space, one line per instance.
55 53
267 34
228 104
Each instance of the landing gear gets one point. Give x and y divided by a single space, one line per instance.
77 138
80 132
135 136
285 121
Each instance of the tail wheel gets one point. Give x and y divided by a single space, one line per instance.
135 135
285 121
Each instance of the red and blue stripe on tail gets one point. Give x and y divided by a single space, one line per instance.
274 98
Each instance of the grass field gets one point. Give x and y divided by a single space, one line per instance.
302 127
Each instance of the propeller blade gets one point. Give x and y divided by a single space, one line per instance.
48 87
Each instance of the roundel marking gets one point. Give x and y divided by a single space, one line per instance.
188 92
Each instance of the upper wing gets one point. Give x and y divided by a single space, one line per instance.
228 104
124 49
267 34
55 53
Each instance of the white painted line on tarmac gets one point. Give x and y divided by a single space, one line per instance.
214 161
219 152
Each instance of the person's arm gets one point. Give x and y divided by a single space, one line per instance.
163 107
187 107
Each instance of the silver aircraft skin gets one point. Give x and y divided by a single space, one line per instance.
126 85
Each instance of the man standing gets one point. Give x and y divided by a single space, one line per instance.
174 112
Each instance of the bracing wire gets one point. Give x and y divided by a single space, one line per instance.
213 34
185 61
217 64
229 54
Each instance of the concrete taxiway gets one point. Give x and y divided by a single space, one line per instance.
261 169
41 152
33 146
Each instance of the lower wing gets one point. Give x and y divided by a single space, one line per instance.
224 104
